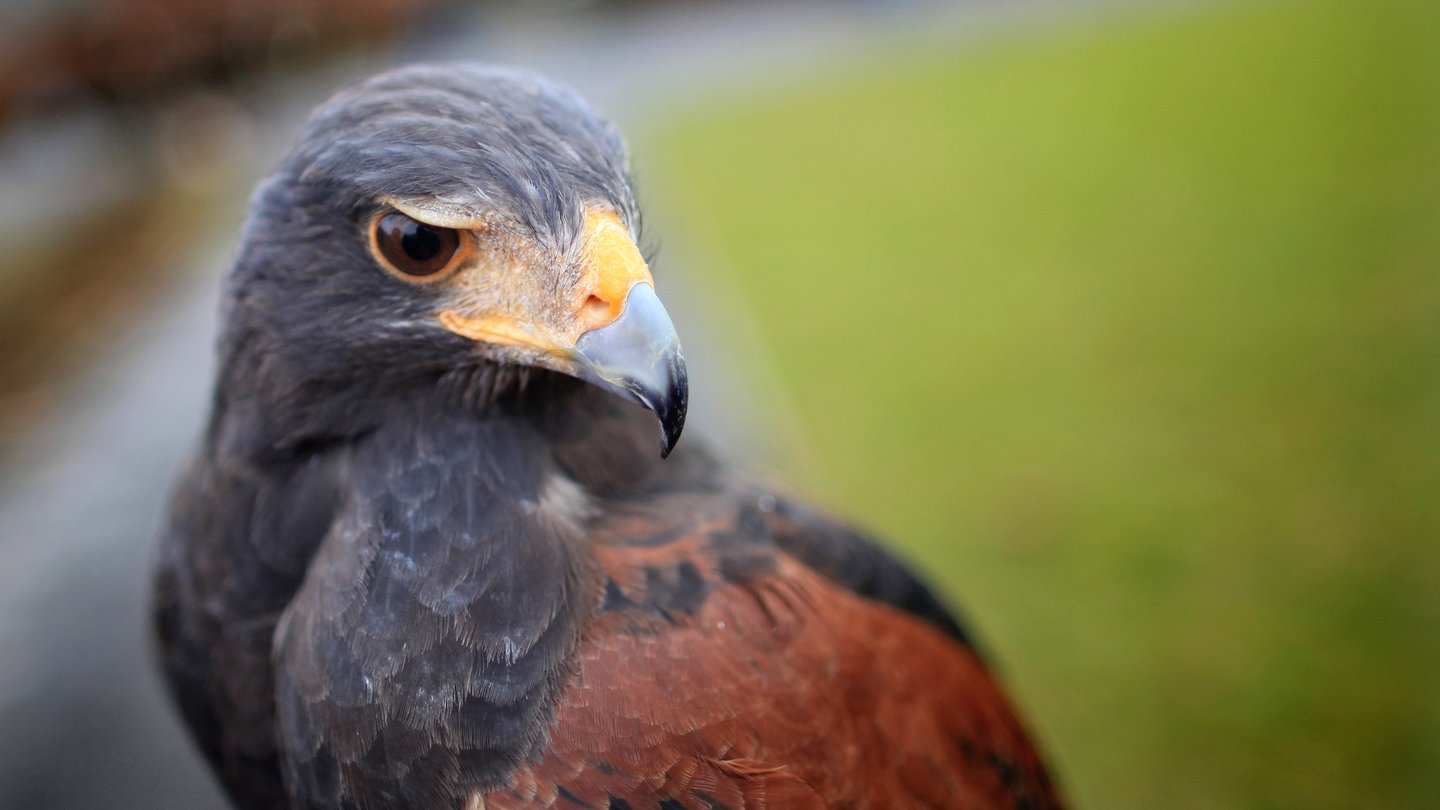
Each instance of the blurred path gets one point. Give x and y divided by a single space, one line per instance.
83 722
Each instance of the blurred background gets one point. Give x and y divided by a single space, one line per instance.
1120 319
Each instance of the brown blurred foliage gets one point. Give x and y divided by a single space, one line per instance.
137 50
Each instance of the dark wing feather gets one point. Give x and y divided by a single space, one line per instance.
854 561
666 501
228 566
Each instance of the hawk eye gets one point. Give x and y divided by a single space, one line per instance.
412 248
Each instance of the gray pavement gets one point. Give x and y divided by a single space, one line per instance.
83 721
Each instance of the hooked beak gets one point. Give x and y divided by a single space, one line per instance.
611 331
638 357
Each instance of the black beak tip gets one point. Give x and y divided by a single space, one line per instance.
671 423
671 410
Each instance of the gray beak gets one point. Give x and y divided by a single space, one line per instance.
638 357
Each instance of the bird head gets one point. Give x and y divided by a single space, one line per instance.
447 217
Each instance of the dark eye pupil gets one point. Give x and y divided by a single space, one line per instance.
414 248
420 242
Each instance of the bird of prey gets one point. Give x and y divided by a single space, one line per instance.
431 553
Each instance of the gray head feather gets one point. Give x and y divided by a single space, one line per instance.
495 142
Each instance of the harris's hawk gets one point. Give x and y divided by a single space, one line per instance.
427 558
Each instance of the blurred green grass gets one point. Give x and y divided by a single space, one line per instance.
1129 332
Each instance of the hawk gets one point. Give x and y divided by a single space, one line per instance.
428 555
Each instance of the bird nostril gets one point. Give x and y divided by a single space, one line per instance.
596 311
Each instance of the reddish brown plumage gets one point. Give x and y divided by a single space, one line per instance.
784 691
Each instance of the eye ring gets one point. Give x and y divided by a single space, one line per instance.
416 251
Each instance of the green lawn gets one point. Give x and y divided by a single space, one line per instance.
1129 333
